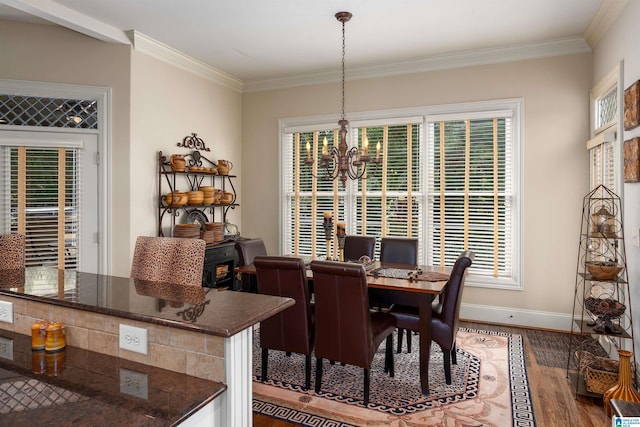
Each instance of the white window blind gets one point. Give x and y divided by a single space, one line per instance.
470 193
450 176
387 202
41 200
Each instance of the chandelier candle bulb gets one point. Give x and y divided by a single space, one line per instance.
365 147
325 147
378 150
308 150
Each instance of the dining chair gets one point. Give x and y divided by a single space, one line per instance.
292 329
12 251
346 330
248 249
445 313
399 250
169 259
358 246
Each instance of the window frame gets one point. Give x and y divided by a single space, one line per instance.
480 109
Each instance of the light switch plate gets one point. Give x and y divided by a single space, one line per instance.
133 339
6 348
6 311
134 383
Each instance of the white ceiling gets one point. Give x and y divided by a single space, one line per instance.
262 40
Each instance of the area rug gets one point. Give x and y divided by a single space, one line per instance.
489 388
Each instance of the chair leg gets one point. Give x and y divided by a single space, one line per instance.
318 374
265 361
400 333
288 353
447 366
408 341
307 371
454 358
389 356
366 386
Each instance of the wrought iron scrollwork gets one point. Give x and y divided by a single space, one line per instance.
193 141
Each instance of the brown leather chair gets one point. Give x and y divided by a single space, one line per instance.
12 251
399 250
248 249
292 329
169 260
346 330
444 323
357 246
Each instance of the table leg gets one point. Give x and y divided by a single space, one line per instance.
425 340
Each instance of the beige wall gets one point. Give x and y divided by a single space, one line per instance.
154 105
556 112
167 104
48 53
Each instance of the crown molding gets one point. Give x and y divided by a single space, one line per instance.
154 48
442 62
69 18
605 16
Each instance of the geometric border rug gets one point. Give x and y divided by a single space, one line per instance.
489 388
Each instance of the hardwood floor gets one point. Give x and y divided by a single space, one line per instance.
552 394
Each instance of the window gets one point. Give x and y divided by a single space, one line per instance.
448 175
603 148
41 200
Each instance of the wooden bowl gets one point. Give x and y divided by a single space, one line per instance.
227 198
603 271
195 197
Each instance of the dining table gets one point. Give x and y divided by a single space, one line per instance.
410 285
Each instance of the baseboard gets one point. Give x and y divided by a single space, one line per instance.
516 317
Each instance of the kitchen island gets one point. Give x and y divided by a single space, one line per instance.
199 332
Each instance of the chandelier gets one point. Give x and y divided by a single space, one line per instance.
342 161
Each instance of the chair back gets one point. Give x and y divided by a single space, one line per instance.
248 249
291 329
399 250
169 259
446 325
343 320
357 246
12 251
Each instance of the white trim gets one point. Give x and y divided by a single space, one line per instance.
236 401
601 138
155 49
41 142
516 317
58 14
605 16
522 52
102 95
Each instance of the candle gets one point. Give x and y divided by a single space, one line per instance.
365 146
325 146
327 218
341 229
378 150
308 150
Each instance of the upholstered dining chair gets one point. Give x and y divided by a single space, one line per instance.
248 249
12 251
292 329
346 330
445 314
399 250
169 260
358 246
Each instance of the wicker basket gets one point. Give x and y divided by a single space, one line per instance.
600 373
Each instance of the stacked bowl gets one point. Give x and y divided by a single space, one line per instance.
207 191
217 228
189 231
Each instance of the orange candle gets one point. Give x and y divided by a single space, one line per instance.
38 334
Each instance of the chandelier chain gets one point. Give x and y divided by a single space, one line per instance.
343 54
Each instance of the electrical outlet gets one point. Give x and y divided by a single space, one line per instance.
6 348
133 339
6 311
134 383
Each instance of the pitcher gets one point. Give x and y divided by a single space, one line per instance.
224 167
177 162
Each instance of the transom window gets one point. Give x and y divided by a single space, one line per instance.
449 176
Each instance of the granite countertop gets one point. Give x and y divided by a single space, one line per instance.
212 311
79 387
